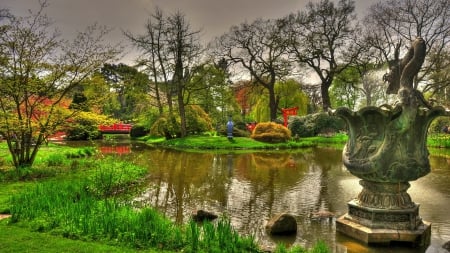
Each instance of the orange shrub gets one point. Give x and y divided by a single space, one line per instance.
271 132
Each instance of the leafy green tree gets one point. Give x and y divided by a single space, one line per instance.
37 72
130 88
343 91
289 94
210 89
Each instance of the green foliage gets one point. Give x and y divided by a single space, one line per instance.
319 247
343 91
291 95
130 88
209 89
85 126
315 124
138 131
438 124
167 125
110 180
35 102
260 111
56 159
197 120
83 209
271 132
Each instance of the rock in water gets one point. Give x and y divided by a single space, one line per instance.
282 224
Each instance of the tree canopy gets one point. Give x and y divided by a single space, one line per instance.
38 70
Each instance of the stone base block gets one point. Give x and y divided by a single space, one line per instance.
418 237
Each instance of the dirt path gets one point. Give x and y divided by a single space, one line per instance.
4 216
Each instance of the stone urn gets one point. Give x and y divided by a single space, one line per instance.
386 149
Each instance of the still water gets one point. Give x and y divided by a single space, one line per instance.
252 187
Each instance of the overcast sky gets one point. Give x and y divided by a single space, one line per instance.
213 17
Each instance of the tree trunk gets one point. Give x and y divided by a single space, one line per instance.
273 104
326 102
182 112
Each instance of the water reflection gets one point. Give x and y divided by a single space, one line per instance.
250 188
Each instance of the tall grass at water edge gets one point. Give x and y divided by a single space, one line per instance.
92 205
93 208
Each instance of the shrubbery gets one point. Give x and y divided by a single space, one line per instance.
438 125
315 124
239 130
168 125
271 132
138 131
85 126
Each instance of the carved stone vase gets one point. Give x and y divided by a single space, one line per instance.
387 149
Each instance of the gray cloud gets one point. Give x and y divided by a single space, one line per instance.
213 17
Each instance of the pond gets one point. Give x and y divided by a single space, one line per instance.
252 187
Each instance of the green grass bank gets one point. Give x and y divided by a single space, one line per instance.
78 201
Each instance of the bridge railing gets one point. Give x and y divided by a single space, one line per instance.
116 128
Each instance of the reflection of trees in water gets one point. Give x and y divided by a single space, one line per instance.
249 187
182 182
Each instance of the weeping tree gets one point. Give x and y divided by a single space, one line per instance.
38 70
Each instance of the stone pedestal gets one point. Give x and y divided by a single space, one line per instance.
417 237
384 213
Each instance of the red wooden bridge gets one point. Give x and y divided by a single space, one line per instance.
118 128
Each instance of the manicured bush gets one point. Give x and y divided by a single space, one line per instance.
271 132
315 124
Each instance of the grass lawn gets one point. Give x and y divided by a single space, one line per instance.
16 239
221 142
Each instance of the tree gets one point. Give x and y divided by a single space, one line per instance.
392 25
260 49
290 95
155 57
322 38
130 87
210 89
185 49
441 78
172 49
37 72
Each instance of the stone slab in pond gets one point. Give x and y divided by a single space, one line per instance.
417 237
